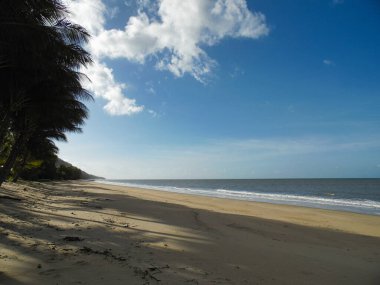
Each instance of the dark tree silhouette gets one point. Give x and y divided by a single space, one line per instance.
40 57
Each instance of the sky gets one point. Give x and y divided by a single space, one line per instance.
230 89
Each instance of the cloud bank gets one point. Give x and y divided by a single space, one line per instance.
171 33
245 158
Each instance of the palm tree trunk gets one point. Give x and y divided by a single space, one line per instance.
15 151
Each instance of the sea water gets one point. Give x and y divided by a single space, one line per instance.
354 195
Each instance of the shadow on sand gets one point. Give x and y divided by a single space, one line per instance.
119 244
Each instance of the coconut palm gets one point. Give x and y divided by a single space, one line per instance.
38 149
42 85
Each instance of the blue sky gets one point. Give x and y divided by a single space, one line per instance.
230 89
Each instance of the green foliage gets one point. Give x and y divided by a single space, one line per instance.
69 172
33 164
47 169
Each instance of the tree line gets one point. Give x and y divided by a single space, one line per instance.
41 53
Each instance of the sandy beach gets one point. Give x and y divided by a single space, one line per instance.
89 233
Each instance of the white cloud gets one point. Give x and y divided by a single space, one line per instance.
172 32
88 13
153 113
104 85
151 90
91 14
177 31
328 62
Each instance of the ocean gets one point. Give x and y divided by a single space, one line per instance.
353 195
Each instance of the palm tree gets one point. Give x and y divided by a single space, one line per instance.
42 85
39 149
21 37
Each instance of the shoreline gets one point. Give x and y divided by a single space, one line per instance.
65 232
327 207
340 204
272 211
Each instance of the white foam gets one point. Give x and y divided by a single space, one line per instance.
353 205
302 199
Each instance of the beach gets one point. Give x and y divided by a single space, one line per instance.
82 232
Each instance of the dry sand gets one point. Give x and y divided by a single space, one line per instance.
88 233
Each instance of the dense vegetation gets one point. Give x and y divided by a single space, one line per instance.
53 169
41 92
